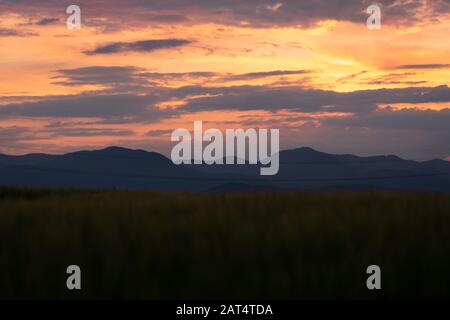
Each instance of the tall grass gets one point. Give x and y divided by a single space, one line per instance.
146 245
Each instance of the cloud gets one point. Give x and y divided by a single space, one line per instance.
109 108
254 13
412 133
90 132
351 76
111 76
424 66
413 119
129 107
267 13
177 75
16 138
158 132
126 77
168 18
395 78
7 132
256 75
7 32
306 100
138 46
47 21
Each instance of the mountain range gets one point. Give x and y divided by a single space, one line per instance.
300 169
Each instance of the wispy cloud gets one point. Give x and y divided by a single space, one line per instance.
121 76
89 132
110 76
7 32
138 46
424 66
351 76
256 75
47 21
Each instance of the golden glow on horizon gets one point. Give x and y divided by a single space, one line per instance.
332 50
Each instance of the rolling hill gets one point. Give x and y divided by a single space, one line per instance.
302 168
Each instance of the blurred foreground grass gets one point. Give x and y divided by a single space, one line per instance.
188 246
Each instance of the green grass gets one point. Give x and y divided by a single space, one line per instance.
148 245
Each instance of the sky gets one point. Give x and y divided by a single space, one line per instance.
137 70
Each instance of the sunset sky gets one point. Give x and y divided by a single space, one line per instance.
137 70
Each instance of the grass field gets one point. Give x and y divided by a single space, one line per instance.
188 246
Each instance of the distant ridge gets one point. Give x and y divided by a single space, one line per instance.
302 168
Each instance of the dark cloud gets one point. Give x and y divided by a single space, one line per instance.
125 75
40 22
396 82
16 137
158 133
256 75
424 66
110 108
260 97
7 132
264 13
99 75
413 119
307 100
417 134
47 21
168 18
7 32
395 78
138 46
125 79
177 75
136 107
256 13
90 132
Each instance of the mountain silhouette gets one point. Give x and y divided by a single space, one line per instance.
300 169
